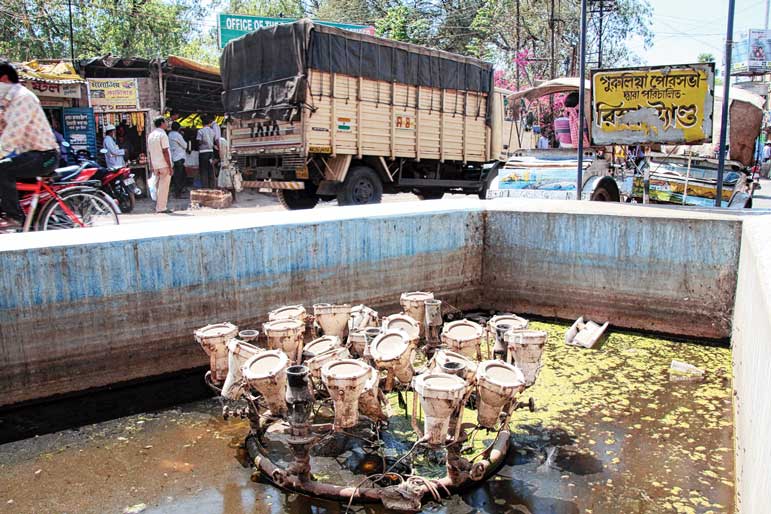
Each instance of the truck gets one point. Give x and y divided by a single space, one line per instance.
318 113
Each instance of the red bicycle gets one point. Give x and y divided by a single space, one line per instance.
50 203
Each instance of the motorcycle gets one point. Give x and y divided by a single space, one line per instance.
117 182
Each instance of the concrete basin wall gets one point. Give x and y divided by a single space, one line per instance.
751 344
81 309
653 269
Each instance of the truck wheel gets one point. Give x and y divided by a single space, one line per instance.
294 200
361 186
601 195
429 195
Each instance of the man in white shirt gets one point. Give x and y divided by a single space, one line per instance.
178 147
206 144
114 156
160 163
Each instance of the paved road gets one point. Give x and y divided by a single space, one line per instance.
252 201
247 201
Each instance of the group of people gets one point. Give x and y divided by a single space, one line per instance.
167 154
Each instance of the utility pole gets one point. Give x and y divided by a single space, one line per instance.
581 109
72 43
552 26
768 10
601 8
519 43
726 102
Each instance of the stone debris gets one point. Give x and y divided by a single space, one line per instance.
680 371
135 509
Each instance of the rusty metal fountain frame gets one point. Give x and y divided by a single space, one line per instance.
290 392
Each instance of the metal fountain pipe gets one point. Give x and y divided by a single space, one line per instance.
446 485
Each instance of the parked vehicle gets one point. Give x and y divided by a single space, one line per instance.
673 178
58 201
117 182
326 114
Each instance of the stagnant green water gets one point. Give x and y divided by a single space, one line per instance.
610 434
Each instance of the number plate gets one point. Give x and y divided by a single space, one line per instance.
129 181
302 172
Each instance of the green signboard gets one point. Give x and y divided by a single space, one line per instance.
232 26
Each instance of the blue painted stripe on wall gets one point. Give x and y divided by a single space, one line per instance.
64 274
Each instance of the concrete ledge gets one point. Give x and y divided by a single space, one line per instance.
638 270
82 309
751 344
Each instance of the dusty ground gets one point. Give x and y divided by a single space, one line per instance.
252 201
611 434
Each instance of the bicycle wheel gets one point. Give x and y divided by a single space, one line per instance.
86 209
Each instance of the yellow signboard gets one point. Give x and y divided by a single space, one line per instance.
665 104
113 94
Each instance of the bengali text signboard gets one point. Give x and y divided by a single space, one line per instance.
113 94
232 26
663 104
751 54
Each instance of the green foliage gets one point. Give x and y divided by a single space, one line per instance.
402 24
131 28
272 8
706 57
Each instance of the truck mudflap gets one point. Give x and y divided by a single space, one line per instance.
274 184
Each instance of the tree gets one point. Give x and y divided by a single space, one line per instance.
496 28
32 29
706 57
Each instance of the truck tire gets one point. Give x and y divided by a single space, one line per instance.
361 186
606 191
295 200
429 195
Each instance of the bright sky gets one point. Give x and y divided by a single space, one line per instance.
685 28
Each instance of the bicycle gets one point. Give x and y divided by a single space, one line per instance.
53 205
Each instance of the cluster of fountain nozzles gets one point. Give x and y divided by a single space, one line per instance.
356 358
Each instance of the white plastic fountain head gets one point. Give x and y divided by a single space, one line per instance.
357 342
238 353
332 319
440 395
406 324
345 380
361 318
249 335
515 322
266 374
322 350
463 336
445 361
414 305
391 351
214 339
497 383
369 401
526 347
286 335
288 312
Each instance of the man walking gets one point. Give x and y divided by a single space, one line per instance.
178 147
28 147
160 162
206 144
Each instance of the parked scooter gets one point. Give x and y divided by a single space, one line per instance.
117 182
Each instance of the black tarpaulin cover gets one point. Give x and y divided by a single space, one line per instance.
264 73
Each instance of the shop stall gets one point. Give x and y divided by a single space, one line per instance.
63 95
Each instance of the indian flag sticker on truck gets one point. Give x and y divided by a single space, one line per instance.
344 124
404 121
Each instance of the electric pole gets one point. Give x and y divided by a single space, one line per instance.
72 43
726 102
601 8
